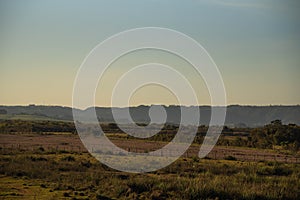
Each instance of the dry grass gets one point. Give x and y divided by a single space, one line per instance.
44 175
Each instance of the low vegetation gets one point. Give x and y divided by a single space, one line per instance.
269 136
25 175
53 173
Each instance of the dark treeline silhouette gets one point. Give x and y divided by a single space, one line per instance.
25 126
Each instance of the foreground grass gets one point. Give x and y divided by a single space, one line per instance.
64 175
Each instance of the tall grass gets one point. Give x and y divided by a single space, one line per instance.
78 175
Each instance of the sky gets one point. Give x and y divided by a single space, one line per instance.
254 43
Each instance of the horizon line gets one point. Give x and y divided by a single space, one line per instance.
148 105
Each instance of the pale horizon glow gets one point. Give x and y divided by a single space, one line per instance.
255 44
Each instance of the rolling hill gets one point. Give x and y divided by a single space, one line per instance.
237 115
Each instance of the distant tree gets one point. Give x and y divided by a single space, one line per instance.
276 122
276 133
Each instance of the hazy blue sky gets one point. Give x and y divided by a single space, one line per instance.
256 45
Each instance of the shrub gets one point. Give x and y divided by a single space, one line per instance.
101 197
68 158
34 159
230 158
66 194
274 170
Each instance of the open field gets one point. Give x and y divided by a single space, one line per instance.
65 175
72 143
47 160
56 166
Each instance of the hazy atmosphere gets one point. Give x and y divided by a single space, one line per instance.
150 99
255 44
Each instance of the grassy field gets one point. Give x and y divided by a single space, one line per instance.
42 173
56 141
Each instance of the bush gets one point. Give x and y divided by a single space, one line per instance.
140 185
230 158
68 158
100 197
41 149
34 159
274 170
66 194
